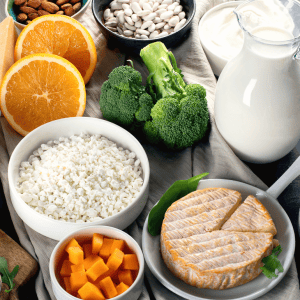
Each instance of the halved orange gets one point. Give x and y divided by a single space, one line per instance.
40 88
60 35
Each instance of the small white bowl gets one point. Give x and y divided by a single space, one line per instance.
85 234
8 8
217 62
56 229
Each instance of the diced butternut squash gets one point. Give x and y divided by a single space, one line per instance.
108 288
90 292
115 259
65 268
126 277
77 268
105 249
87 250
120 244
97 269
109 273
77 280
67 285
72 243
75 255
90 260
130 262
121 288
97 242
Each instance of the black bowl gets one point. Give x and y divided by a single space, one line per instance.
135 45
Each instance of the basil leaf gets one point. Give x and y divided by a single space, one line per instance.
176 191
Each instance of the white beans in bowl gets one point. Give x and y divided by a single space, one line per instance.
144 19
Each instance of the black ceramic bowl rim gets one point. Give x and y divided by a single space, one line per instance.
189 20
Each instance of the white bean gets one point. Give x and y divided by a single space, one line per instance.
112 19
181 15
151 28
125 6
137 36
155 6
157 20
143 13
121 17
138 24
114 29
130 27
167 26
179 25
167 2
128 32
141 31
150 17
123 1
116 12
129 20
111 24
147 6
120 30
166 15
161 11
128 12
174 21
106 14
135 18
162 6
116 5
136 7
153 34
160 25
177 9
144 37
164 33
146 24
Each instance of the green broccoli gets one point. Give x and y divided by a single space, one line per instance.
180 116
123 99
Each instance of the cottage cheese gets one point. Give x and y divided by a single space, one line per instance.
82 178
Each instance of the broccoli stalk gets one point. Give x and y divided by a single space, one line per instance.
167 79
180 116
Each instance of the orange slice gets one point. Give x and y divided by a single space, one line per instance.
60 35
40 88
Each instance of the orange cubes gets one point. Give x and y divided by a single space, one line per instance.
99 269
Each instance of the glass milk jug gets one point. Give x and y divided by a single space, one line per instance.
257 104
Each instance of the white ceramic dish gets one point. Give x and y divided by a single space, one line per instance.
56 229
86 234
254 288
217 63
20 26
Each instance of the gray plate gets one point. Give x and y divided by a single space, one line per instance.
250 290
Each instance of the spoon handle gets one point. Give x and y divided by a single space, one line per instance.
292 172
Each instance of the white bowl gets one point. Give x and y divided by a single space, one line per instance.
249 291
20 26
56 229
85 234
217 62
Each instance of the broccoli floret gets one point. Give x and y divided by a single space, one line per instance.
123 99
151 133
180 116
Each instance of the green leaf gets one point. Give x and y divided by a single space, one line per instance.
176 191
272 263
6 276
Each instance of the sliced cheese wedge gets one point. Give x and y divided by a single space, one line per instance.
251 216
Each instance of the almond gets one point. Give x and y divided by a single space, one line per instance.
77 7
66 6
22 17
34 3
50 7
19 2
43 12
32 16
69 11
27 10
60 12
74 1
61 2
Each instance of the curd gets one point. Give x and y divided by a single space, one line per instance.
224 37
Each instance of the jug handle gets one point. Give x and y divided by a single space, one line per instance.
292 172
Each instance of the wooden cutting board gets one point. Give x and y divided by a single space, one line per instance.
16 255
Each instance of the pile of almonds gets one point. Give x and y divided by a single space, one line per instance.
144 19
28 10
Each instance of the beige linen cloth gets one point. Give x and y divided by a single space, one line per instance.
210 155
